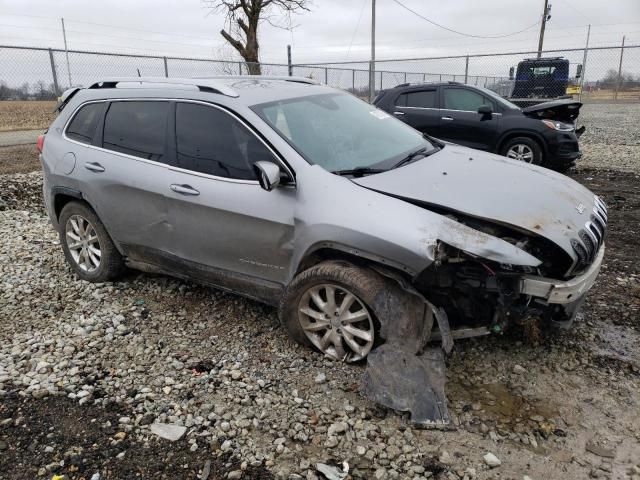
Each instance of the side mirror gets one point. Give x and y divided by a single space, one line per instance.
485 110
579 70
268 174
511 73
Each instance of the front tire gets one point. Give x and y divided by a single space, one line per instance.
86 244
524 149
328 307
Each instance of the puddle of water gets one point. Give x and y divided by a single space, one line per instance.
618 342
499 404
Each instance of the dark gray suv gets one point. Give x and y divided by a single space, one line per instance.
358 227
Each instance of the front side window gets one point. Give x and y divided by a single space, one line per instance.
211 141
422 99
463 99
83 126
338 131
137 128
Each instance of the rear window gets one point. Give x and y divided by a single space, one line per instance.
83 126
137 128
421 99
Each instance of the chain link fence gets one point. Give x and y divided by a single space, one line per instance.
32 78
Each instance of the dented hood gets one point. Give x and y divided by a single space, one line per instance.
560 110
494 188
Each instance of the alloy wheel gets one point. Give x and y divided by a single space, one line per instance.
82 241
337 322
521 152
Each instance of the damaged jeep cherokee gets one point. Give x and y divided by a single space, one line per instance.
363 232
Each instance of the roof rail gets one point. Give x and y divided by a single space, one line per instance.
203 85
295 79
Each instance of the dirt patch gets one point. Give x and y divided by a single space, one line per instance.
18 159
25 115
40 438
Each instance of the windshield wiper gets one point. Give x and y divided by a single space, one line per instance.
358 171
411 157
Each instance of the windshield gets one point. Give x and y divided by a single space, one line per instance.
504 102
338 131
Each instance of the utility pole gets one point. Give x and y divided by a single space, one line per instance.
66 50
372 64
619 82
584 63
545 17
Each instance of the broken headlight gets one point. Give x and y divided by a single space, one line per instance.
560 126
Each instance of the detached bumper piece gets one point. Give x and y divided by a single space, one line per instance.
400 379
402 374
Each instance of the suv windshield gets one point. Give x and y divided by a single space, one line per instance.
339 132
504 102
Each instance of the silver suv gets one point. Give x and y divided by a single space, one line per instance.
356 226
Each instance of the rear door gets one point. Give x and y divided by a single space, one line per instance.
228 230
123 174
460 121
419 108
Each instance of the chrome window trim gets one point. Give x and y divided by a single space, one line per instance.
171 167
442 109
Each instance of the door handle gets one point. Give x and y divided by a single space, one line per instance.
448 119
399 114
184 189
94 167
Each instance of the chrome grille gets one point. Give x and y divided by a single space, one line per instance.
591 237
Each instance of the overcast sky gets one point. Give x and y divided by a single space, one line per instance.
334 30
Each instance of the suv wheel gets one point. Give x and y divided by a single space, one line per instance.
86 244
327 307
523 149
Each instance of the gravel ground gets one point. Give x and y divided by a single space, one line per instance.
612 138
153 349
86 370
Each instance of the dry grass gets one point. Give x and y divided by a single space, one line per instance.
25 115
18 159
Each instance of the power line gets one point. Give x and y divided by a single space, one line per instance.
462 33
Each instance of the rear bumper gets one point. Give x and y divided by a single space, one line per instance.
562 292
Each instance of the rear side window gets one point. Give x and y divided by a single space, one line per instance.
83 126
211 141
421 99
137 128
463 99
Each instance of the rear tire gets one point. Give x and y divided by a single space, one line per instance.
87 247
354 327
524 149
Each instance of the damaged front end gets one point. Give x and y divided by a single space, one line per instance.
463 295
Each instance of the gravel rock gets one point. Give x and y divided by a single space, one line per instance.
491 460
167 431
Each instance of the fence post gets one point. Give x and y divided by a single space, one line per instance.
405 77
380 81
326 76
466 69
353 79
166 67
424 78
240 67
290 67
54 73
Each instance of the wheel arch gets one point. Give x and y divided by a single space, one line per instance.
334 251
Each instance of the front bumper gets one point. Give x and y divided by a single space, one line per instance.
558 291
563 147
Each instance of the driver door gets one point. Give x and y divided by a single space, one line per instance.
227 229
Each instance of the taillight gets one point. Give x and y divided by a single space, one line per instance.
40 143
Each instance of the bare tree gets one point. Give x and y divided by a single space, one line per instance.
243 19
